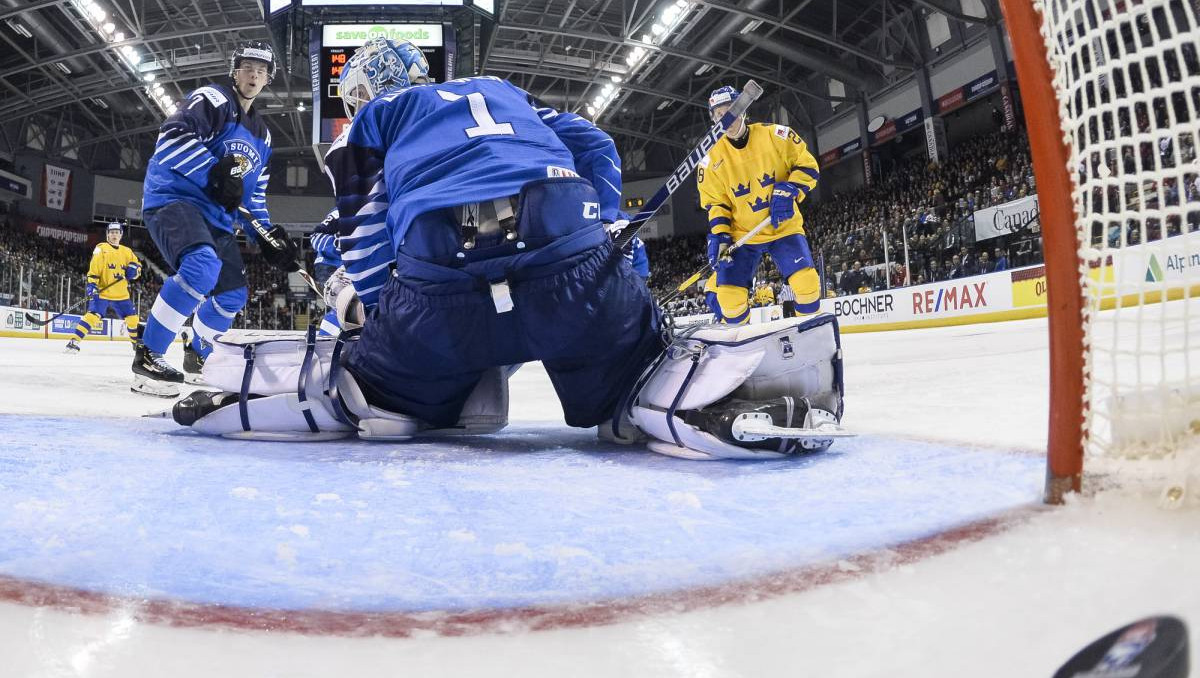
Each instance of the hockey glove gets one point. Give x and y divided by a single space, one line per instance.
718 246
132 271
225 183
91 291
615 228
783 202
279 251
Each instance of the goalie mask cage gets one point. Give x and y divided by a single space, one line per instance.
1111 91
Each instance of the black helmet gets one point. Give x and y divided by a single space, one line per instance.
254 49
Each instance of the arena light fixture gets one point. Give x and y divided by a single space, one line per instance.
668 20
106 27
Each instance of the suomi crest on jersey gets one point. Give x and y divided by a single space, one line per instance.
248 158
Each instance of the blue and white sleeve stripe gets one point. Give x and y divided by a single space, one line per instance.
366 246
181 143
363 237
257 202
325 249
182 152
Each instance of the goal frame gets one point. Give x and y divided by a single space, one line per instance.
1066 308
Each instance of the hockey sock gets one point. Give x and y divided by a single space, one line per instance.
735 303
179 297
85 325
806 284
215 316
131 324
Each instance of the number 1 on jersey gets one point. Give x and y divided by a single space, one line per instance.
484 123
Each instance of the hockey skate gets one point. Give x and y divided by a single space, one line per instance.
153 375
193 364
72 347
785 424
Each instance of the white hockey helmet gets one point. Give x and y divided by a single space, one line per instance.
257 50
379 65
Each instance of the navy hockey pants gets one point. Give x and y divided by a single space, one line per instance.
587 316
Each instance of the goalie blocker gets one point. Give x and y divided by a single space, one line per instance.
738 392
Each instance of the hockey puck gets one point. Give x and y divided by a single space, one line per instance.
1155 647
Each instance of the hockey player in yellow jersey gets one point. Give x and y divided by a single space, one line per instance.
757 171
764 295
113 265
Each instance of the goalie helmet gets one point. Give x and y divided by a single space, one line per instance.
379 65
257 50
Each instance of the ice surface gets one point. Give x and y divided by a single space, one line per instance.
953 420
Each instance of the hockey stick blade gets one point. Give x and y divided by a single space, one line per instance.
750 93
1155 647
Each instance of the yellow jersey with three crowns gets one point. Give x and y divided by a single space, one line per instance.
736 183
107 263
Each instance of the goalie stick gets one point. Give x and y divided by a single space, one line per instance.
37 322
740 105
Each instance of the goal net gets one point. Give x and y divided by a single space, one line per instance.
1111 90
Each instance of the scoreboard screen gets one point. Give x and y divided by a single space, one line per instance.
337 44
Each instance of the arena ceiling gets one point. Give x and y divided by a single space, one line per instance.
58 74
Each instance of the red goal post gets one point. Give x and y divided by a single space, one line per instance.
1064 293
1111 92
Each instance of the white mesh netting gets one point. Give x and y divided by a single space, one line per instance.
1128 83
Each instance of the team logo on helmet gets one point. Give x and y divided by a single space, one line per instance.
721 96
259 51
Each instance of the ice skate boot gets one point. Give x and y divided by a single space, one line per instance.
72 347
153 375
193 364
785 424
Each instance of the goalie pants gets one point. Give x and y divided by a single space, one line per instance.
587 316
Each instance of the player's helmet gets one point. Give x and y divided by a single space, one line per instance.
254 49
115 226
379 65
721 96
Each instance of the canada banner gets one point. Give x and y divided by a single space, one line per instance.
1010 217
56 188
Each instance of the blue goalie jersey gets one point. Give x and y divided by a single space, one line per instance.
435 146
209 125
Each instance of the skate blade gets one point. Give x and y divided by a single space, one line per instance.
194 379
154 394
754 430
143 386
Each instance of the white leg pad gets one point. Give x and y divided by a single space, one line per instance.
795 357
277 417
